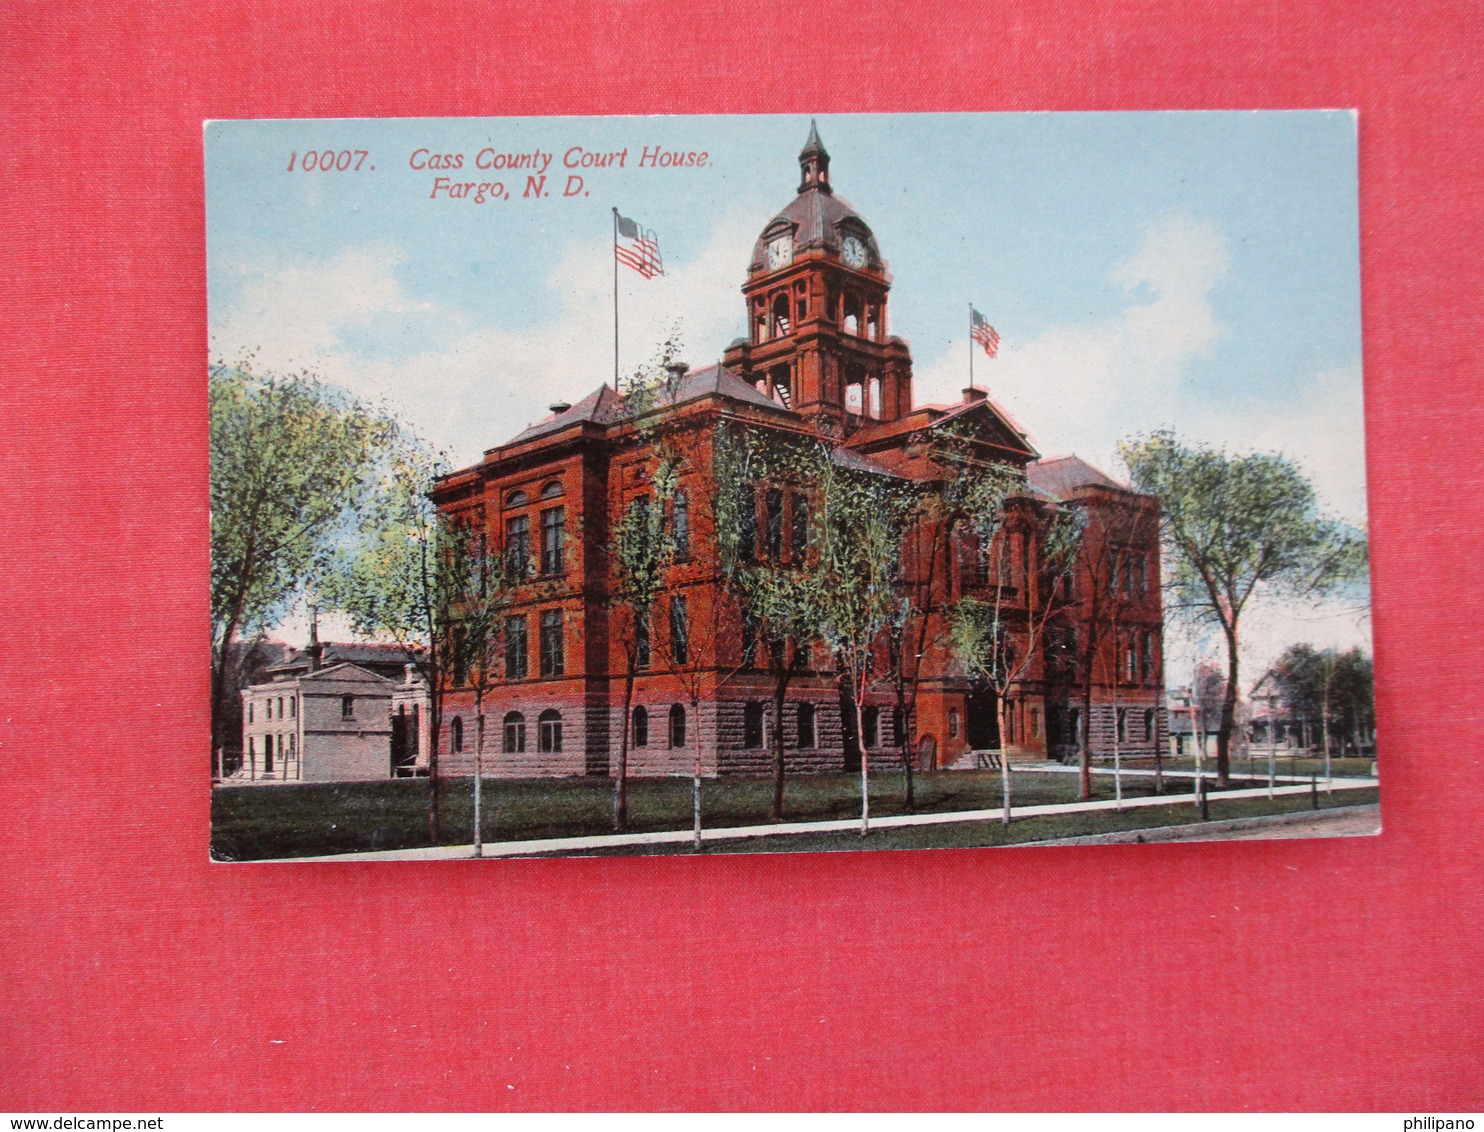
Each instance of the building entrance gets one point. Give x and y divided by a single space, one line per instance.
981 723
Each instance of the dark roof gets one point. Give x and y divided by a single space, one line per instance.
855 462
604 406
815 216
1060 475
360 654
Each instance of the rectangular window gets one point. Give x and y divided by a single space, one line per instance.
681 513
774 504
799 528
679 632
981 562
347 707
553 535
293 706
1147 659
641 643
517 648
751 627
747 524
518 545
552 659
806 726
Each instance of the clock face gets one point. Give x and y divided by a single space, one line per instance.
781 251
853 252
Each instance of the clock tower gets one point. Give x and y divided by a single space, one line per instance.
816 296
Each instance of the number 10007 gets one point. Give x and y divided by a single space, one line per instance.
326 160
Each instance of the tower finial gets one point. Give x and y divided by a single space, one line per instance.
814 162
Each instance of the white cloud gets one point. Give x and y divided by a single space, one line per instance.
474 386
1082 386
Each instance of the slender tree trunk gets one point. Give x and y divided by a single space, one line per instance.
1329 781
904 739
621 783
695 722
781 678
1228 710
1002 711
478 768
1084 758
860 742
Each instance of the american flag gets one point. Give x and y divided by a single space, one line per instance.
638 248
983 333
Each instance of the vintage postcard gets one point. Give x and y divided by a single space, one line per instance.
712 484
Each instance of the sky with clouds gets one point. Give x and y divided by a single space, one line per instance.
1198 271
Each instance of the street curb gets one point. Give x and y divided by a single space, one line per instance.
1202 831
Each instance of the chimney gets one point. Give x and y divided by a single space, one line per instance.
316 650
972 395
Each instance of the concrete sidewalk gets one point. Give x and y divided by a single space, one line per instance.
536 848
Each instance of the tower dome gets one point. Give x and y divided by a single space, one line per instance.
817 217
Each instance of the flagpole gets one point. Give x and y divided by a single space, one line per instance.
615 300
971 345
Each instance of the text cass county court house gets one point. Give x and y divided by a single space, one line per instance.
819 361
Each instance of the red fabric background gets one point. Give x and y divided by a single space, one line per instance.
136 976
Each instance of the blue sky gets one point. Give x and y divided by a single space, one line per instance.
1192 270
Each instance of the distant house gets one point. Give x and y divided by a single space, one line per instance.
384 660
324 725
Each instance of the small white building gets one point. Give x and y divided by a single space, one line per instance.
329 725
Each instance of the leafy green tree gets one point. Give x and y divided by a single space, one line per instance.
1328 689
480 592
1236 529
766 566
861 520
290 460
999 637
642 551
403 578
643 546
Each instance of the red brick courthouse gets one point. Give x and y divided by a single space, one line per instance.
818 360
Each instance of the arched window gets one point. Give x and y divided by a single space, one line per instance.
515 733
515 499
781 322
1149 726
871 722
456 734
852 321
1074 727
752 725
677 726
806 725
853 397
641 727
681 527
552 490
1123 725
953 723
549 724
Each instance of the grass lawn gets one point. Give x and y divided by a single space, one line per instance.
1258 764
971 835
310 819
